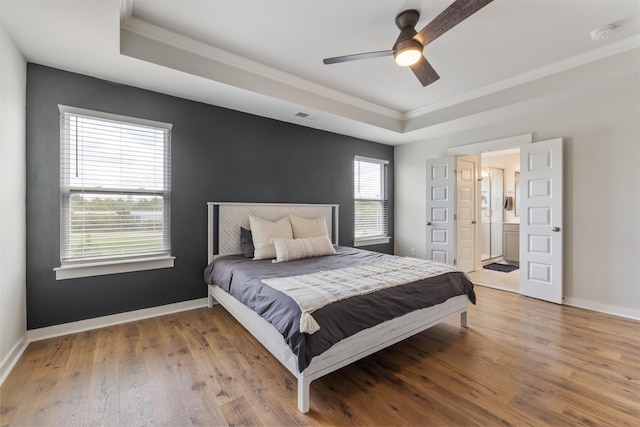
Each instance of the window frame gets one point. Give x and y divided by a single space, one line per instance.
384 185
75 268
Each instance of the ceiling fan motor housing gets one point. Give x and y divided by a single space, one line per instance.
407 50
407 18
406 22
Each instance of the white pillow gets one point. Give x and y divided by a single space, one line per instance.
263 230
290 249
303 228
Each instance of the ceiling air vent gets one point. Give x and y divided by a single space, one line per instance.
306 116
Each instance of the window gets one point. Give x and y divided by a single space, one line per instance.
371 205
114 194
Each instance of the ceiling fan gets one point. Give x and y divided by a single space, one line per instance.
407 50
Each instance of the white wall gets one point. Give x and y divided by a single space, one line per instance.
600 128
13 316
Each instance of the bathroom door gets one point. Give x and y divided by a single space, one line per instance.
465 202
541 220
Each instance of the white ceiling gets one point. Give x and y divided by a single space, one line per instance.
265 57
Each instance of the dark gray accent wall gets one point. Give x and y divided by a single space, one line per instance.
217 155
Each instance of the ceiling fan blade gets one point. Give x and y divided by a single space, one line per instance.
424 72
457 12
357 56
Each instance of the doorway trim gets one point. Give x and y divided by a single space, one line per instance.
492 145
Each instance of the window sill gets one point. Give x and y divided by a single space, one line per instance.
371 241
112 267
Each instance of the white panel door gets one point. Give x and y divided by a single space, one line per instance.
541 220
440 209
465 212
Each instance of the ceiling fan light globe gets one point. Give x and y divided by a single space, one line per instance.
408 56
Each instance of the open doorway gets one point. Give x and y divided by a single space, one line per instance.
539 207
499 220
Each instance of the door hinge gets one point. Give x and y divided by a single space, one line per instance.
455 261
455 217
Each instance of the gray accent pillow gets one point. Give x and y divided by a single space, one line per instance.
246 242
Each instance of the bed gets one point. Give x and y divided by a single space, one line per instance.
347 329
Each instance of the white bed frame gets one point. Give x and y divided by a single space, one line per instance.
224 222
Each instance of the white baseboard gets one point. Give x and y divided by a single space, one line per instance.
100 322
12 358
85 325
629 313
114 319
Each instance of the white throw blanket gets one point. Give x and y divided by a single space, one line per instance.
316 290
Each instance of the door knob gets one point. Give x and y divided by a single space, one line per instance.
429 223
556 229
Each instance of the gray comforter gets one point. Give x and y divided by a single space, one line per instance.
242 278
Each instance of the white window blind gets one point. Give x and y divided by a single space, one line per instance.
370 195
115 187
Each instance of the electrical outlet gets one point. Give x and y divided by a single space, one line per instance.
413 251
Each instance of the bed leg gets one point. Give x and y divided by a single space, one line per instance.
463 319
212 300
303 394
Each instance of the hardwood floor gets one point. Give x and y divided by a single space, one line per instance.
521 362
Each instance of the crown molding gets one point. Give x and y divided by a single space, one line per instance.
593 55
142 28
148 42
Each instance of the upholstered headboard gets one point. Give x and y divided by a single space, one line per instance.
225 219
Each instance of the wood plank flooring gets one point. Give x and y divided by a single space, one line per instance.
521 362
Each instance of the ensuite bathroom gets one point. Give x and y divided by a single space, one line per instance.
500 220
